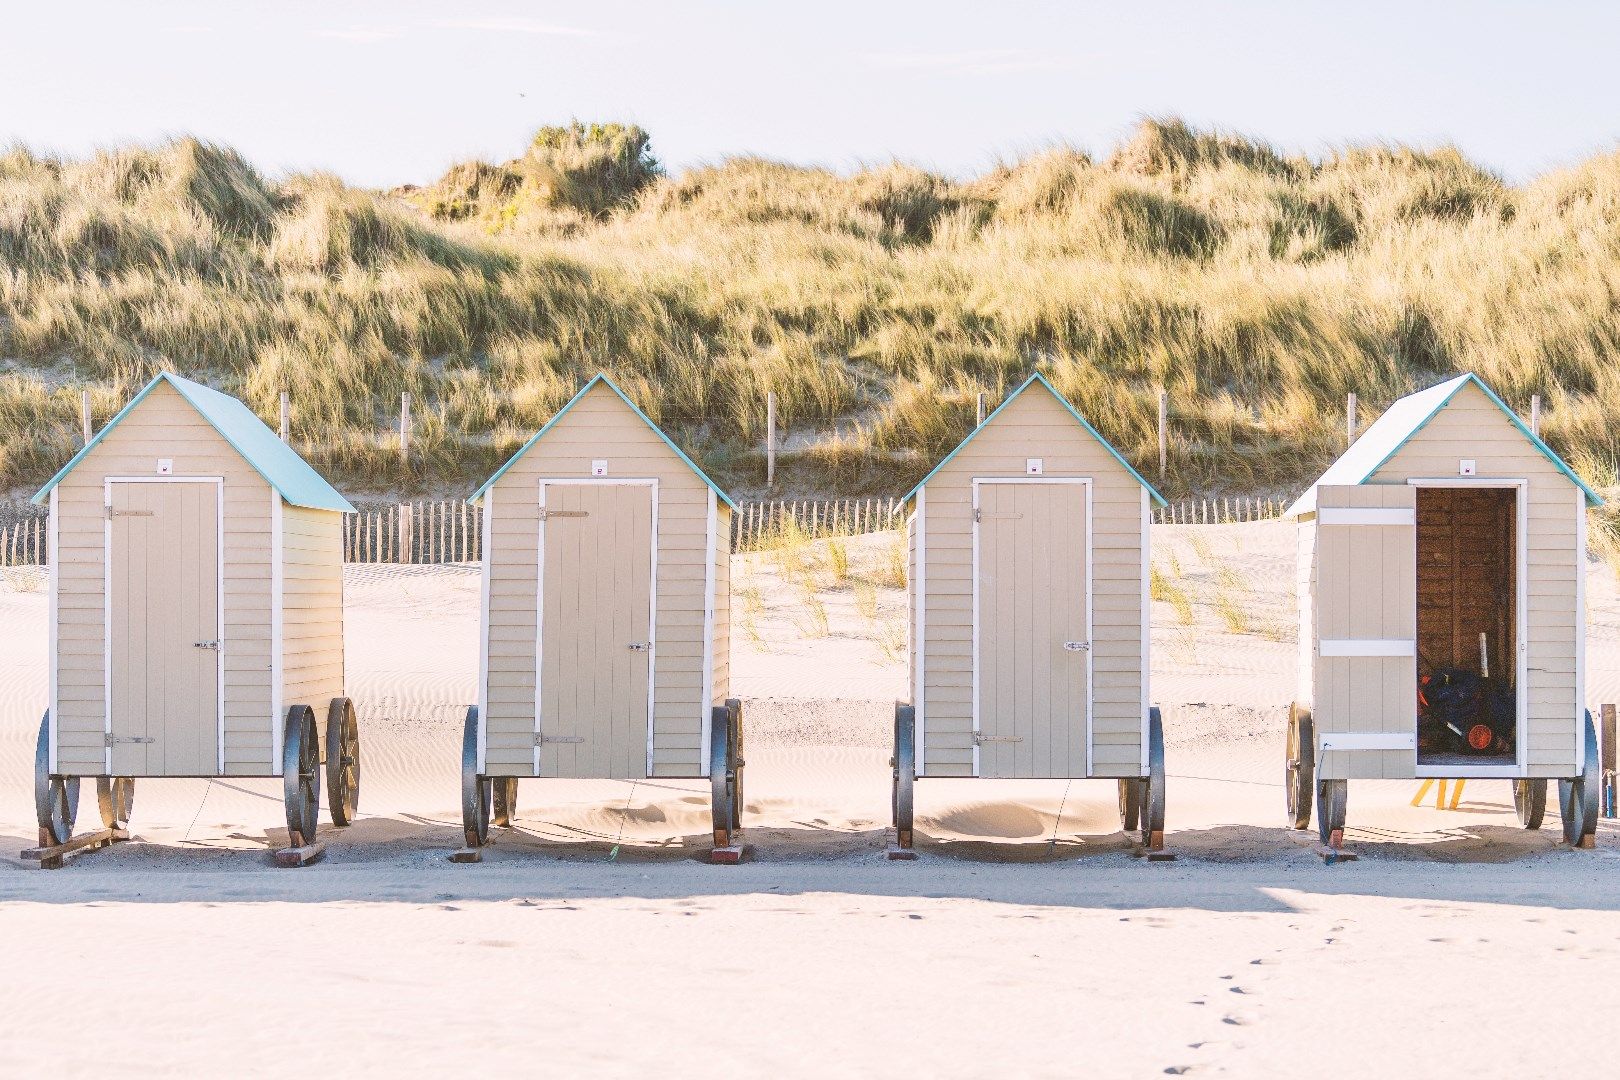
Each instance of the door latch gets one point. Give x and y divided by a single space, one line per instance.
546 515
541 740
981 739
206 645
1077 646
110 739
111 513
641 646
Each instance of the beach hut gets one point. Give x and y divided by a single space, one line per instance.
1028 613
1442 613
605 626
196 618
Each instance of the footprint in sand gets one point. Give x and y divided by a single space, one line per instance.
1178 1070
1235 1020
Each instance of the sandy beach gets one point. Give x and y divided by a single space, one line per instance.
1027 939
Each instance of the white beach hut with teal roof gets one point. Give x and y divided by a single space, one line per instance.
606 618
1442 613
1028 602
196 614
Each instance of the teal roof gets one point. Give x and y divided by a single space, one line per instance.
1034 379
611 385
262 448
1403 420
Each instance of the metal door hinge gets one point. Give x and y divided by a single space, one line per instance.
205 645
111 740
979 738
1077 646
111 513
541 740
547 515
641 646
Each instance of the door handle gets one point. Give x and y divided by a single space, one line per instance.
1077 646
205 645
641 646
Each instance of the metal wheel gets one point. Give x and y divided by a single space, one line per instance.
1130 803
342 760
477 792
1301 768
56 798
1331 798
722 776
1530 801
115 797
504 789
739 764
1578 797
301 775
1151 823
905 771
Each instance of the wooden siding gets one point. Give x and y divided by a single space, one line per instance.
720 683
312 609
1471 426
164 426
599 426
1034 425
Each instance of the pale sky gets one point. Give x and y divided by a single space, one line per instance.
389 93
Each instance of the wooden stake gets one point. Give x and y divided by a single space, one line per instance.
1349 419
84 415
405 429
286 416
1535 415
981 410
770 440
1164 431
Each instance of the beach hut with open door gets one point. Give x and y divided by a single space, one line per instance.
1442 613
1028 613
196 618
605 618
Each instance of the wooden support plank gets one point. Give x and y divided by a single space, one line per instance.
300 856
51 857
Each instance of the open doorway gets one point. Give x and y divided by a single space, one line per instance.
1467 626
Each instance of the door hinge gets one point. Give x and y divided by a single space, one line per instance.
111 513
979 738
547 515
1077 646
541 740
205 645
112 740
980 515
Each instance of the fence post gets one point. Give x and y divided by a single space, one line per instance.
1535 415
1164 431
1349 418
286 416
405 428
980 422
402 550
84 415
770 440
1606 778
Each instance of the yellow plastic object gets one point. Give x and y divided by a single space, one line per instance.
1440 802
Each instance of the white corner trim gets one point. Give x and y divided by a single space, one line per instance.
1345 515
1580 634
1366 647
487 513
1356 741
277 644
54 583
1147 625
706 694
919 589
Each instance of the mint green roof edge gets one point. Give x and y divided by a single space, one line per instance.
290 475
1037 378
1350 468
601 377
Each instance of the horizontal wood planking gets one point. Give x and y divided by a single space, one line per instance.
312 609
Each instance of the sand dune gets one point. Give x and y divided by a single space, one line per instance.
594 937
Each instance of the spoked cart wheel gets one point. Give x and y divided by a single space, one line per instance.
726 771
301 776
115 797
1301 768
1578 797
1530 801
1150 824
477 792
342 761
504 791
56 798
905 772
1331 799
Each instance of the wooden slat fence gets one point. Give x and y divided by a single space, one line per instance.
416 532
1221 510
755 523
23 536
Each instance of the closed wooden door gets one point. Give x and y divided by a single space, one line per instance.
596 649
163 631
1033 653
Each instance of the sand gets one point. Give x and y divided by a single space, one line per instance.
1027 939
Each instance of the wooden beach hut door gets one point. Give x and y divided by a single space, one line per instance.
163 627
597 561
1365 599
1032 662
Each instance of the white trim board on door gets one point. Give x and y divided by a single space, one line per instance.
1090 651
652 604
106 602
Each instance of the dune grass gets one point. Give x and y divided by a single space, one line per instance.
1258 288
